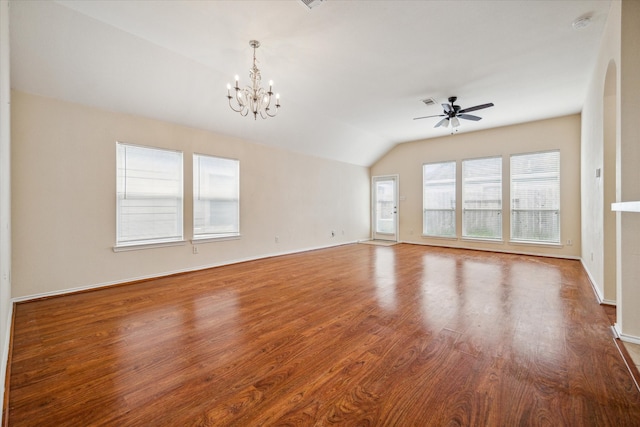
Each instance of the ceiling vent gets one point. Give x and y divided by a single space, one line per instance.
312 3
429 101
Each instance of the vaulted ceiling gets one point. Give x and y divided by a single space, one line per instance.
351 74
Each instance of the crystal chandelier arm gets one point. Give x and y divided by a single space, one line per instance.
231 106
268 107
237 110
229 97
240 96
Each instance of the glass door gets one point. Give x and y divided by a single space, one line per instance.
385 208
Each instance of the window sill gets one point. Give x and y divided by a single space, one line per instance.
142 246
481 240
543 244
213 238
427 236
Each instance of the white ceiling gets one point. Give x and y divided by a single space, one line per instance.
351 74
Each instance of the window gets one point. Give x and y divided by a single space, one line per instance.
149 195
535 197
439 199
482 198
216 197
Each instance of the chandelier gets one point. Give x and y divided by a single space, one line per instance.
253 98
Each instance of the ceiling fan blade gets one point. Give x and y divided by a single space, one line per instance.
477 107
426 117
442 122
447 108
469 117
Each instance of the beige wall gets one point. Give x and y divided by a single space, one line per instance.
407 159
64 198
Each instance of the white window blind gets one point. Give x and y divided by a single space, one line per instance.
535 197
149 195
439 199
216 197
482 198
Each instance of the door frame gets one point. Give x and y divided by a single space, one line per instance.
396 189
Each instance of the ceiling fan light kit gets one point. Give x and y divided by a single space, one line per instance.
253 98
452 113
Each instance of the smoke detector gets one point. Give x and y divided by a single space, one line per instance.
581 22
312 3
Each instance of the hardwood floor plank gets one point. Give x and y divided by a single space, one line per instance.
353 335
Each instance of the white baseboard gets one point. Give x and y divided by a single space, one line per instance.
168 273
501 250
625 337
594 286
614 331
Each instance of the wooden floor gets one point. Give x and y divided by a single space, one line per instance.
355 335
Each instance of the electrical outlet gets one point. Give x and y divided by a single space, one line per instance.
569 242
277 239
195 249
333 233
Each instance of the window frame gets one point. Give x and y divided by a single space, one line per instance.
201 237
517 240
426 209
159 240
463 185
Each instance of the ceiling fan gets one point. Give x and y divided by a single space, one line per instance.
453 112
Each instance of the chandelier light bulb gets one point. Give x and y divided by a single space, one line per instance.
253 97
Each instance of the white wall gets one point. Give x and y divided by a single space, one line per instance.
629 181
5 192
64 176
620 48
608 179
592 153
562 133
